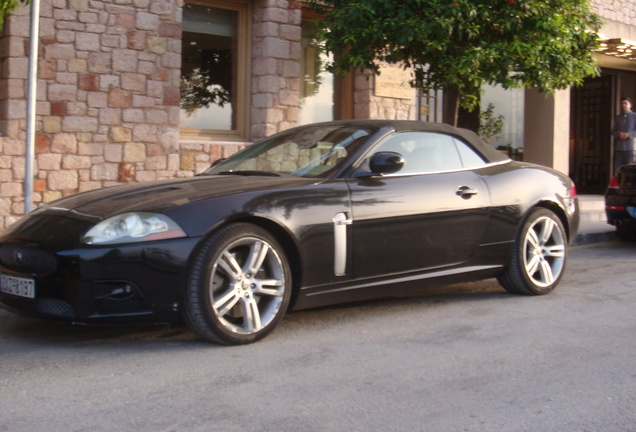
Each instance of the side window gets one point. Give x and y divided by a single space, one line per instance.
470 159
424 152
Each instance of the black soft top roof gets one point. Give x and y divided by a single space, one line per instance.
467 135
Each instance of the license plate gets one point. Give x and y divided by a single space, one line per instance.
18 286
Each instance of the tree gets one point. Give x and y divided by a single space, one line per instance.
490 126
460 45
8 6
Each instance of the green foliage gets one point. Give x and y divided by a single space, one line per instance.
490 127
465 43
8 6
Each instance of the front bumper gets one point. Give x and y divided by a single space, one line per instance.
131 284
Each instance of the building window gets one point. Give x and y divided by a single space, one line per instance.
317 85
430 106
323 96
214 87
510 104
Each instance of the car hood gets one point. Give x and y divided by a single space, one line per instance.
158 196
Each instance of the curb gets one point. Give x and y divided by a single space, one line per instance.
592 238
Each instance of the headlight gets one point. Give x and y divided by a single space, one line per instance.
133 227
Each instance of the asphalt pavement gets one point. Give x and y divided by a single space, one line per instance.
594 227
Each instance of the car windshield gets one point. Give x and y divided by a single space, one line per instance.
311 151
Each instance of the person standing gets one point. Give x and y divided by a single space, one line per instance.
624 131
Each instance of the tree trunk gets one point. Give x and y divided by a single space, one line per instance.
451 105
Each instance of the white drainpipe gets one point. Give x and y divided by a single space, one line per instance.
32 80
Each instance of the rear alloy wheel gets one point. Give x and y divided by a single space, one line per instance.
538 257
239 286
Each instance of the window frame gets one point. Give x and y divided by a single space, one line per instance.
243 68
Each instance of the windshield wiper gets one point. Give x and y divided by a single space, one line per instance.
250 173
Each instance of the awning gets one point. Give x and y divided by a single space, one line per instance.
617 47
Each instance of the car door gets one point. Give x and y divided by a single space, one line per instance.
429 215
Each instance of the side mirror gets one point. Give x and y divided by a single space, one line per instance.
386 163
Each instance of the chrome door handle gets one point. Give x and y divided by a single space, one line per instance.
340 222
466 192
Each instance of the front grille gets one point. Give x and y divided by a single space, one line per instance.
40 306
55 307
27 259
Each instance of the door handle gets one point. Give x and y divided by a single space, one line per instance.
340 222
466 192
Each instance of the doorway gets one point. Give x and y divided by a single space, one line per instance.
590 133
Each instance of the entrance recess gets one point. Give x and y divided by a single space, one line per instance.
590 134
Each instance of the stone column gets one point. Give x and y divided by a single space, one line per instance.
276 51
547 129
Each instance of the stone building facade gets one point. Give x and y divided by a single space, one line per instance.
108 95
108 98
595 104
109 89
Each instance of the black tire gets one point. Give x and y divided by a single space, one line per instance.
239 286
626 232
538 256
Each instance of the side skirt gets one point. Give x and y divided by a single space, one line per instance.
310 297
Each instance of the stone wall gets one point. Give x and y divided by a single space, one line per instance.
367 104
108 100
108 95
620 11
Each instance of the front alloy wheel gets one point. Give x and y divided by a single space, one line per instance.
239 287
538 257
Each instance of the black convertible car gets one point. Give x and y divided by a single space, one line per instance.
319 214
